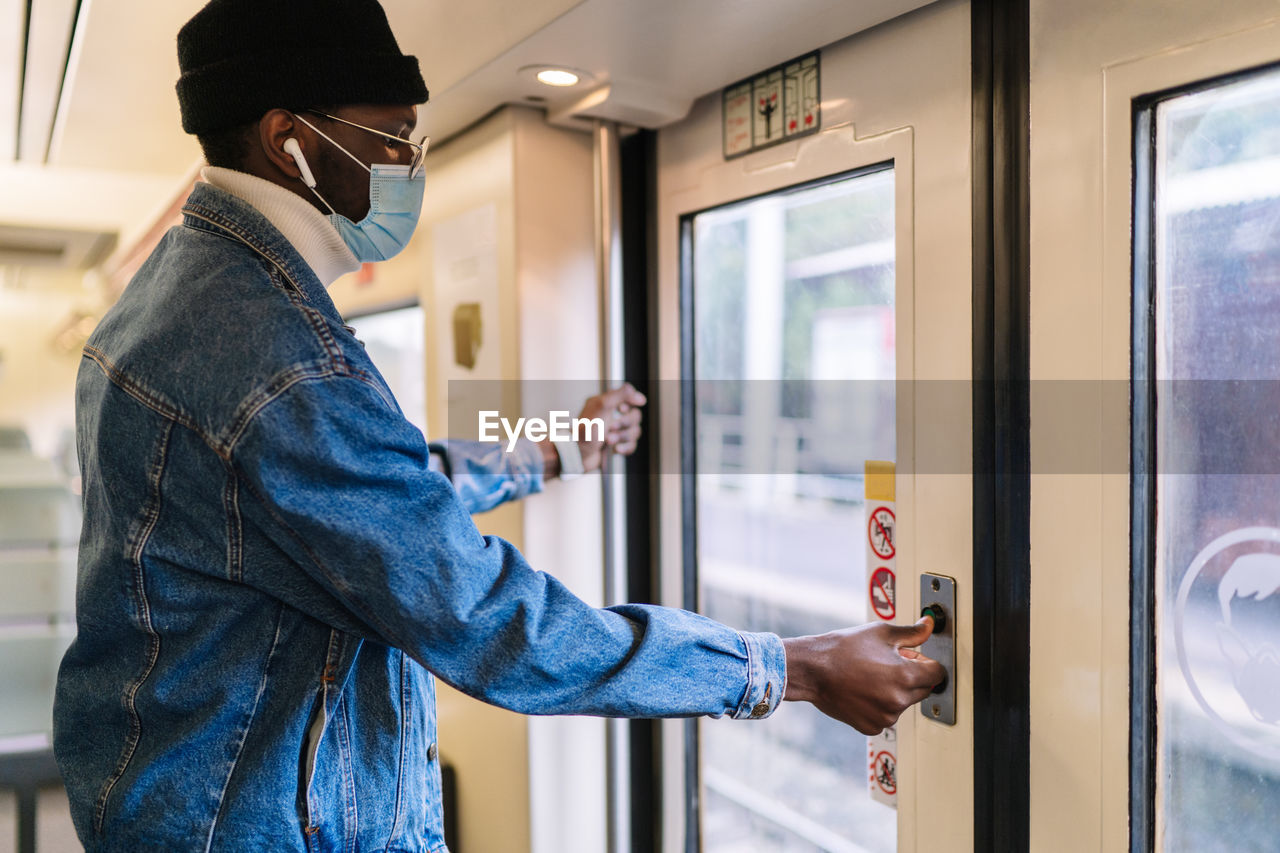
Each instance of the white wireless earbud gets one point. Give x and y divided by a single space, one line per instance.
294 150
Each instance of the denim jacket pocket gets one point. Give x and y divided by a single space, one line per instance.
310 749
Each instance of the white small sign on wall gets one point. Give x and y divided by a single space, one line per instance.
773 106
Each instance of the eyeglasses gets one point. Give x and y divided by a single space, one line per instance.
419 147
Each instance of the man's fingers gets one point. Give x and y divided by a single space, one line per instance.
926 673
620 409
622 433
624 429
623 397
631 395
625 438
913 635
920 694
923 673
625 417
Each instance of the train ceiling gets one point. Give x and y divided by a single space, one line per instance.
95 93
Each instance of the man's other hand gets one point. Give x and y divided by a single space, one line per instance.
620 410
865 676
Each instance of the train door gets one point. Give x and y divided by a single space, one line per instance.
815 299
1155 254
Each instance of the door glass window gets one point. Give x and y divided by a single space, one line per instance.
793 341
1217 543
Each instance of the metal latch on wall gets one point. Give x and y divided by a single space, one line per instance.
938 599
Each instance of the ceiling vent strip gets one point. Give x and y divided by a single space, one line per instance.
54 126
13 47
50 27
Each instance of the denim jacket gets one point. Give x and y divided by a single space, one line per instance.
271 571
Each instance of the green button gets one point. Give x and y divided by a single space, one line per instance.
939 617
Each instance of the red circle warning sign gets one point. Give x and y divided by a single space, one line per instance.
880 530
884 770
882 593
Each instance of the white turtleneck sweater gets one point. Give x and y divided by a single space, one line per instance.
309 230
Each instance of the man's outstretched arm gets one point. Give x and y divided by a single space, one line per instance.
381 548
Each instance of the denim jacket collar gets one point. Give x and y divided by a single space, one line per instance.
217 211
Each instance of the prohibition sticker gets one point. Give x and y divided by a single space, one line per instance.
880 532
882 767
882 594
884 772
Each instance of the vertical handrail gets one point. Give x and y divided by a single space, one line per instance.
608 219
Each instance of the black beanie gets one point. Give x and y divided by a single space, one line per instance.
242 58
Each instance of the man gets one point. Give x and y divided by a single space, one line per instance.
270 567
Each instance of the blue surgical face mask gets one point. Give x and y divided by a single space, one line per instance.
395 203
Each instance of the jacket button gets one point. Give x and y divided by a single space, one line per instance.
432 752
759 710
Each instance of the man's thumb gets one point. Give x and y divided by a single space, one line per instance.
915 635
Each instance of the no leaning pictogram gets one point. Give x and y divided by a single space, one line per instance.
884 772
882 593
880 530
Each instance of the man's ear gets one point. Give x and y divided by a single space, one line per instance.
273 129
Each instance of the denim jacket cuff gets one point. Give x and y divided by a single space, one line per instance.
766 676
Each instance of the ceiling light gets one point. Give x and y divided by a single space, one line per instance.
557 77
535 77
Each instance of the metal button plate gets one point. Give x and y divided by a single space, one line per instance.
940 591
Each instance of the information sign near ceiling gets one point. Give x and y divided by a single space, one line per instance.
772 106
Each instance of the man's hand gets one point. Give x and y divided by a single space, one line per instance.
620 409
865 676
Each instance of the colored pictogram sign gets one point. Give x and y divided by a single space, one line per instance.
880 532
884 772
882 593
882 767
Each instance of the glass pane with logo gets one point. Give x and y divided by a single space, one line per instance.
1217 293
794 358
